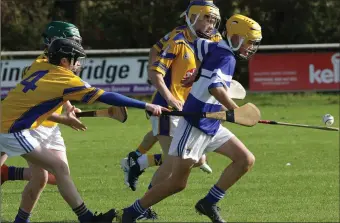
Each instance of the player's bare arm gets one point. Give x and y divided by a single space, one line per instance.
220 93
152 57
157 80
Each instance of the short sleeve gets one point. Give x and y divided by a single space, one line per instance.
165 57
158 46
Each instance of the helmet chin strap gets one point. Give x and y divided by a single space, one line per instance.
190 25
231 45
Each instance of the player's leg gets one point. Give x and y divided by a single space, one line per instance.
140 160
242 161
3 158
4 168
147 143
225 143
160 126
181 159
31 192
176 183
164 171
22 143
13 173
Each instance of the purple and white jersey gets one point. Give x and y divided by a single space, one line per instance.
217 69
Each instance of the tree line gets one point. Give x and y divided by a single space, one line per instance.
118 24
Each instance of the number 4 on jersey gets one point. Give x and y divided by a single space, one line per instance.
30 84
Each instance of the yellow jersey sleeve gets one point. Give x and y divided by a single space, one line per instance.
158 46
160 43
166 57
79 90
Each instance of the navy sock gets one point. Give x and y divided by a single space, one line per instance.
84 214
136 209
215 195
22 216
15 173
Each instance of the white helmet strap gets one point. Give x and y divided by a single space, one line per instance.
191 25
238 46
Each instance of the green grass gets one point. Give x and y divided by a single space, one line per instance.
306 191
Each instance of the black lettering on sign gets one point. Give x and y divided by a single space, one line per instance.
10 73
110 75
143 63
124 71
86 70
99 71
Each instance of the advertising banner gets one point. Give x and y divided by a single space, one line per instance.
126 75
295 72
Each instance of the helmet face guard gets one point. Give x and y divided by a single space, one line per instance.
250 50
204 11
77 64
66 48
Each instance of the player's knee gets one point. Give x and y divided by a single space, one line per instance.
248 161
39 177
60 168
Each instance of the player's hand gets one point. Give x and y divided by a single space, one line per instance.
75 110
176 104
156 110
72 121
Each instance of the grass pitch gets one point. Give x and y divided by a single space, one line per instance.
305 191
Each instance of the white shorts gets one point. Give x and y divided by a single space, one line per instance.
191 143
19 143
164 125
25 141
49 137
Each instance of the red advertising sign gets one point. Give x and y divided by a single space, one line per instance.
294 72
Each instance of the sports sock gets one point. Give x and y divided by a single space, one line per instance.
15 173
136 209
155 159
143 161
215 195
22 216
84 214
146 161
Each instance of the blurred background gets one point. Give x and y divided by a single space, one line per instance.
117 24
138 24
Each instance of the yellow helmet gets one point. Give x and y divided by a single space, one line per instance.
198 9
247 29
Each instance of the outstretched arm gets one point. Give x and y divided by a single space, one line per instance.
112 98
116 99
